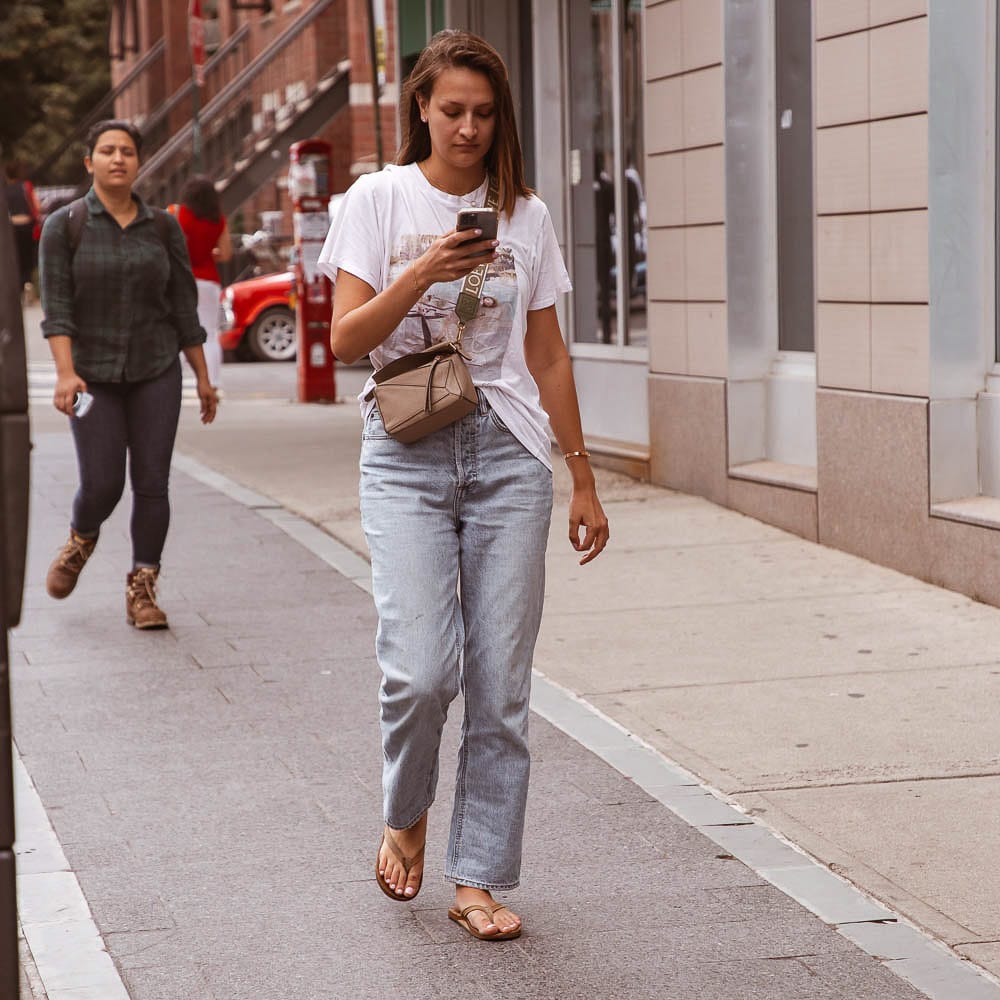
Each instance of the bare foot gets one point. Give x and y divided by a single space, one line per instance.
390 867
503 921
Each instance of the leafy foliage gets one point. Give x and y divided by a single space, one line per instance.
54 67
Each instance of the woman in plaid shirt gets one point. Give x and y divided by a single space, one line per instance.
120 304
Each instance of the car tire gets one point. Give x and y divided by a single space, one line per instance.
273 336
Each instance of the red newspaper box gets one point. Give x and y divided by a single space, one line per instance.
309 187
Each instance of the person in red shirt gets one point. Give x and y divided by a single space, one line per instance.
207 234
25 216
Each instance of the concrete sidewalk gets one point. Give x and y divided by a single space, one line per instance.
215 792
845 705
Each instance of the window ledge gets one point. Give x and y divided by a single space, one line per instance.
982 511
793 477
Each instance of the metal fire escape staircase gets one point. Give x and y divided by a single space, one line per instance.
105 108
249 121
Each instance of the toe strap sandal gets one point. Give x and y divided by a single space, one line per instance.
407 863
461 917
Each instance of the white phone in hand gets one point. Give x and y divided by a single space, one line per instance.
82 404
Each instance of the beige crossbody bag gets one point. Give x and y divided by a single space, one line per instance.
422 392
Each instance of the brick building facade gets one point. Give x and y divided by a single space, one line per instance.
156 41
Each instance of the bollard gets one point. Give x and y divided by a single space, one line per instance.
14 448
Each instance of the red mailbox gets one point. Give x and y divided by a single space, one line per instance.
309 187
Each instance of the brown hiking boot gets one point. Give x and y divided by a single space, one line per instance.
141 608
66 567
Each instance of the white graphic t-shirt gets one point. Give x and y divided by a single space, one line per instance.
388 219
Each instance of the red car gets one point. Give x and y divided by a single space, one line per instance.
257 318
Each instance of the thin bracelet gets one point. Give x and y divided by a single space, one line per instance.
576 454
413 278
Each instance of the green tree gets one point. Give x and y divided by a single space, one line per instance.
54 67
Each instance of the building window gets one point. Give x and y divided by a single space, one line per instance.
124 33
794 163
771 387
418 20
607 195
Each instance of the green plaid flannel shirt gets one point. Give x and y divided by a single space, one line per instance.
127 303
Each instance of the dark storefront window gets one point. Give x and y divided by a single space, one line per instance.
604 56
793 94
418 20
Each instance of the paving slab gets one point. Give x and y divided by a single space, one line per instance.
827 729
986 954
725 575
915 958
886 829
819 635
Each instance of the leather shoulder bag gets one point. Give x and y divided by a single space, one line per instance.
422 392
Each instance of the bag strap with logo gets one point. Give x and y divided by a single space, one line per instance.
467 304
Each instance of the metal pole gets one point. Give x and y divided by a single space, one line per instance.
376 86
14 447
196 49
9 965
196 124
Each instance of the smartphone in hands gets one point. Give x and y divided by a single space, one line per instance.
82 403
478 218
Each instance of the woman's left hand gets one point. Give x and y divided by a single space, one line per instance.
209 400
585 511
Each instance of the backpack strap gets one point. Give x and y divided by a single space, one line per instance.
77 219
75 222
163 222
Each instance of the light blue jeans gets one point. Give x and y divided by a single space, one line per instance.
457 525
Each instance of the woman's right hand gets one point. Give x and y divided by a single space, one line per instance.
363 318
67 386
453 256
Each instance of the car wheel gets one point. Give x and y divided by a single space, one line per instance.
272 336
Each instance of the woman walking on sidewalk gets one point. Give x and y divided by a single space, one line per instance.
457 522
206 233
120 303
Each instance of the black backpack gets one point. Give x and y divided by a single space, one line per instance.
77 218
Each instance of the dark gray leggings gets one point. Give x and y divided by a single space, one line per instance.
140 419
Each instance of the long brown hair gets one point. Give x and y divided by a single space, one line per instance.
200 197
451 49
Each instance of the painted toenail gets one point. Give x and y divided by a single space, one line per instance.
409 890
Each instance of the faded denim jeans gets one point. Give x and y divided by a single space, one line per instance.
457 525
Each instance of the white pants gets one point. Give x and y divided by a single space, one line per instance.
208 316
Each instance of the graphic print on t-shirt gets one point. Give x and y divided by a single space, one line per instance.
433 317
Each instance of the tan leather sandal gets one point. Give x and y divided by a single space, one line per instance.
407 864
461 917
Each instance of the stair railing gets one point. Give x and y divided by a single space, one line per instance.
104 108
246 111
225 64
